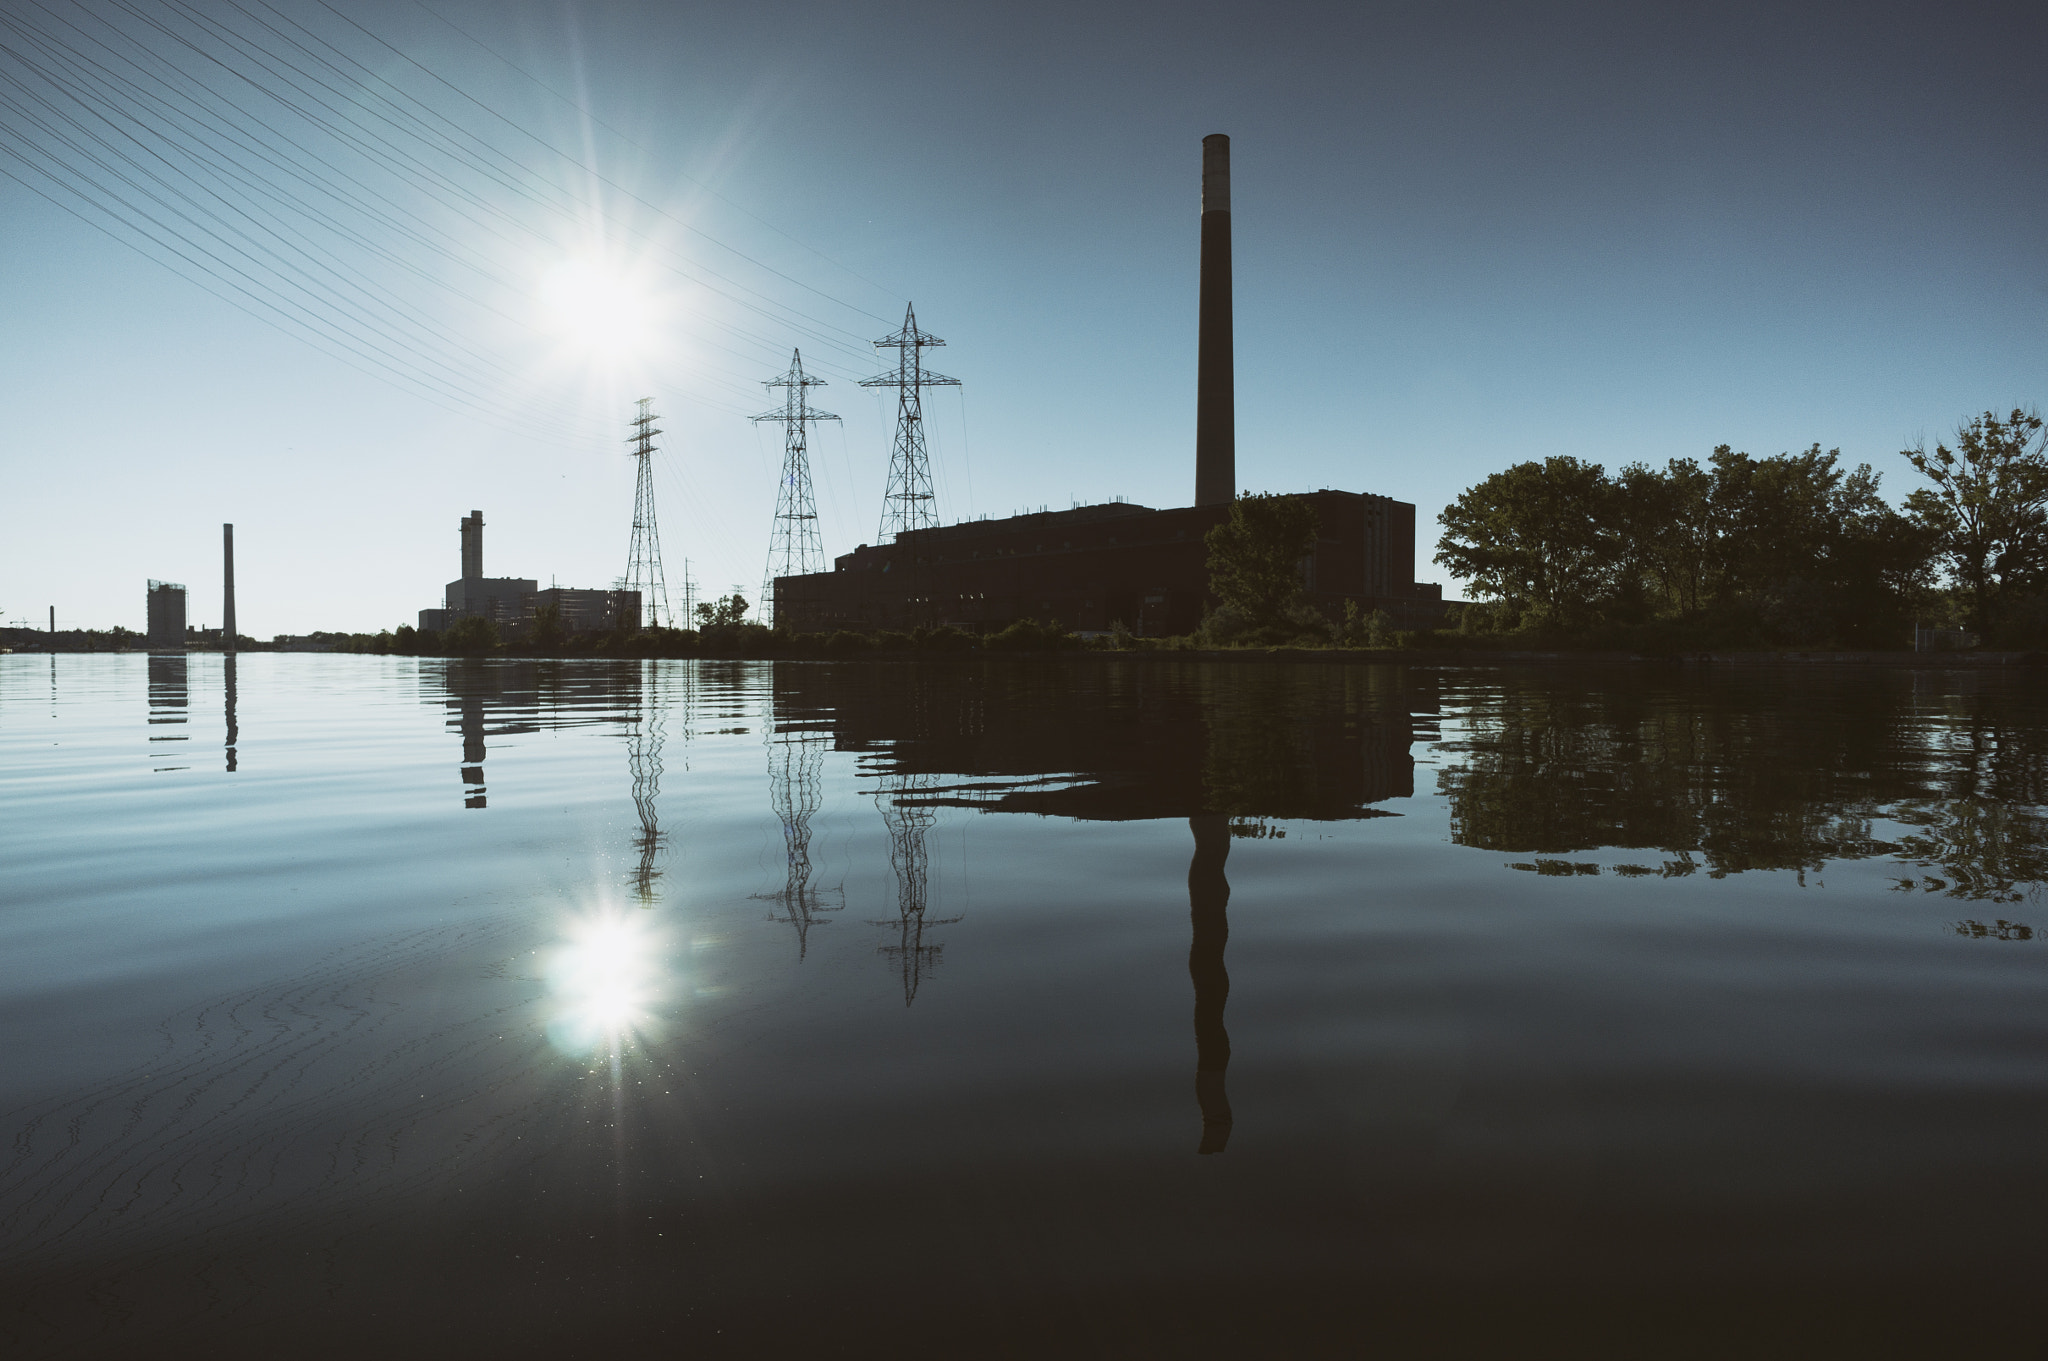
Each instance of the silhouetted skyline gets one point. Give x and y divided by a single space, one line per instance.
1464 236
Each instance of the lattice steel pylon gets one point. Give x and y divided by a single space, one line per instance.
908 503
643 758
796 758
794 546
905 801
643 559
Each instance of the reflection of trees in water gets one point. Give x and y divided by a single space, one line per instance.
1982 850
796 760
1771 771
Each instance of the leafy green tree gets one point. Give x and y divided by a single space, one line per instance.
1256 557
470 635
1987 510
546 632
725 612
1540 536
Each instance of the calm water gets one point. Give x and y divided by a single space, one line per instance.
1088 1008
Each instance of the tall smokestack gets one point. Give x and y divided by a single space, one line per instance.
1215 391
473 546
227 608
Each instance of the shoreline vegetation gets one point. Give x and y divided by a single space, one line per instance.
1028 639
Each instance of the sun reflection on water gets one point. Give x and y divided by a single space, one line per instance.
606 980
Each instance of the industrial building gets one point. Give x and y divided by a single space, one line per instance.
166 616
512 602
1092 567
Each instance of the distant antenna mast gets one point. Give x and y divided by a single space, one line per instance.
908 503
643 560
794 548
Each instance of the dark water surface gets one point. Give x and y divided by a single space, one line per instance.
366 1006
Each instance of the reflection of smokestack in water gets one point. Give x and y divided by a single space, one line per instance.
227 609
473 546
1215 394
1209 909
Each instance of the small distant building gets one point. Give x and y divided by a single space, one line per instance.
510 602
166 616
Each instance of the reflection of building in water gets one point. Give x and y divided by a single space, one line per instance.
169 697
234 733
796 758
493 698
1228 747
1209 917
472 708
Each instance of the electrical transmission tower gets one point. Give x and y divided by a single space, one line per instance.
643 560
794 548
796 758
643 758
908 503
904 799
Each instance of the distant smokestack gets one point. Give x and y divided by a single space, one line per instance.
227 610
473 546
1215 391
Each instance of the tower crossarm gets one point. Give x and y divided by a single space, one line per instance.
808 413
923 378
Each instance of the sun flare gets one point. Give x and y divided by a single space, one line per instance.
599 308
604 981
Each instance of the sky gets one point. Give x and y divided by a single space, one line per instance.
340 273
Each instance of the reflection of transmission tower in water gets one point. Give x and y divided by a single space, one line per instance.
908 503
909 819
643 758
794 547
796 762
643 559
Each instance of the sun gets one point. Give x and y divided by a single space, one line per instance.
599 308
606 979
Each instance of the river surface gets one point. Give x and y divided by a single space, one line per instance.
388 1006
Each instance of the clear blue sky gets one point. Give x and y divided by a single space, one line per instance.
1466 235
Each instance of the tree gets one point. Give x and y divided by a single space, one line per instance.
724 613
1256 556
1540 536
471 634
1987 509
546 634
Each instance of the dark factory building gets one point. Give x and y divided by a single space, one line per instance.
1089 568
1093 567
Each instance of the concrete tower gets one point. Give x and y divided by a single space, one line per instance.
473 547
1215 390
227 607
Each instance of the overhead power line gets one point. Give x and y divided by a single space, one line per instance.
242 147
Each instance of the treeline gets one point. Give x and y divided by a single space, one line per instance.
737 638
1795 550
